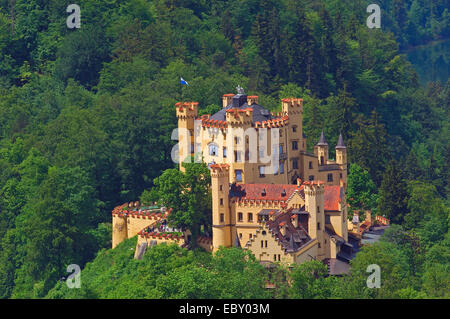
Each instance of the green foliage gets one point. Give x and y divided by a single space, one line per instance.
187 193
168 272
393 194
86 117
361 190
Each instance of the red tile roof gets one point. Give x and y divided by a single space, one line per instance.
254 191
332 196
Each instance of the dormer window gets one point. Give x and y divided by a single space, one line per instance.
283 193
263 193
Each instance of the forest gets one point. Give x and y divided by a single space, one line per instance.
86 117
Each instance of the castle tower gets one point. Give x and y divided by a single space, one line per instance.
226 99
341 158
186 114
120 232
221 216
314 204
239 119
293 107
293 139
321 150
341 151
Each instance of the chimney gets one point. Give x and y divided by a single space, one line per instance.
299 182
226 99
283 228
294 220
252 99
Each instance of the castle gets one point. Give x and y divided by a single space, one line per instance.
236 135
290 211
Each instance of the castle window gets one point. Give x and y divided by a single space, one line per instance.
311 178
240 235
250 236
327 219
250 217
318 245
318 226
263 233
222 218
340 175
192 147
294 145
261 171
281 133
224 152
279 259
237 140
220 187
265 243
274 257
213 149
238 173
240 217
281 148
221 202
294 128
330 177
295 164
322 160
281 168
262 243
237 156
310 165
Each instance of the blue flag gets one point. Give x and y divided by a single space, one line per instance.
183 82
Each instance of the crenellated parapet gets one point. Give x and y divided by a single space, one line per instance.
314 188
236 117
187 110
219 170
292 105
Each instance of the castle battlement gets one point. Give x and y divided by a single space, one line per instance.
187 110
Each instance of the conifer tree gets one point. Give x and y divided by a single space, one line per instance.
393 193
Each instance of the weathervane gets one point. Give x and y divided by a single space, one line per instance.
240 90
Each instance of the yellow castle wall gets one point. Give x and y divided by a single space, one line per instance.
306 252
266 248
127 227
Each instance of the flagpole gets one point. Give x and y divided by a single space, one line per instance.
181 91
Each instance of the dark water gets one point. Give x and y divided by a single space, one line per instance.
431 61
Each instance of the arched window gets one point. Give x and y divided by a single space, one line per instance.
213 149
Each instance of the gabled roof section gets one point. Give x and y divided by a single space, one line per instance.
294 238
332 197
